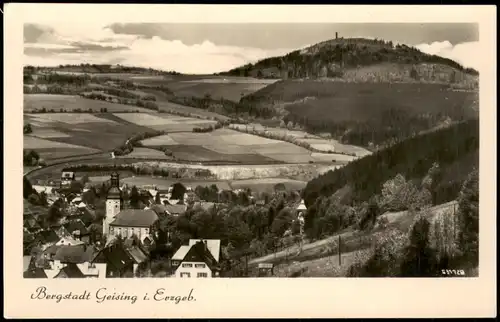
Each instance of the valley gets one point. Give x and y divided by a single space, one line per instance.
350 139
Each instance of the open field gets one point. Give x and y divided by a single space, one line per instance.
100 131
146 153
164 122
68 118
58 153
229 91
47 133
315 142
233 144
72 103
33 143
202 154
177 108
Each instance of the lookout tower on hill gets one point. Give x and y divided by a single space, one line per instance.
336 35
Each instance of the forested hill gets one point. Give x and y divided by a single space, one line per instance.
336 57
455 149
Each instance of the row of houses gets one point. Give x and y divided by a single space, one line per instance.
70 258
67 250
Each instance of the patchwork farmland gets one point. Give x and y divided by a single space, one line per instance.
67 130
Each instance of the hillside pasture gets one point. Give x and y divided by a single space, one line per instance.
232 146
95 131
146 153
68 118
166 106
55 154
71 103
31 142
195 153
316 143
164 122
50 150
159 141
47 133
229 88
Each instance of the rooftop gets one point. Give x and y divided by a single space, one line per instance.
181 252
75 254
175 209
114 255
35 273
212 244
70 271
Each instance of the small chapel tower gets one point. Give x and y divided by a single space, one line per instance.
112 202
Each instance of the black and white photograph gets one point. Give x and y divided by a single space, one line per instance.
262 161
181 150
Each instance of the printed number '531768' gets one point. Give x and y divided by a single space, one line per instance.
456 272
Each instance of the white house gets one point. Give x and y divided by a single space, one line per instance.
199 259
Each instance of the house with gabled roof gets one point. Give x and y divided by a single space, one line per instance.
70 271
86 215
115 261
35 273
175 209
78 230
80 256
160 210
47 237
68 241
197 262
62 232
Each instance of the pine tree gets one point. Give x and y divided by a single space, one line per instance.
134 197
468 218
419 258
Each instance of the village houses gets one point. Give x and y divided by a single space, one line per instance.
198 259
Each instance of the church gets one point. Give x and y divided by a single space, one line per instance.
126 222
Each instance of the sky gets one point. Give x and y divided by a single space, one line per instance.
210 48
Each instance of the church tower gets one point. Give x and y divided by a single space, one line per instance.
112 202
